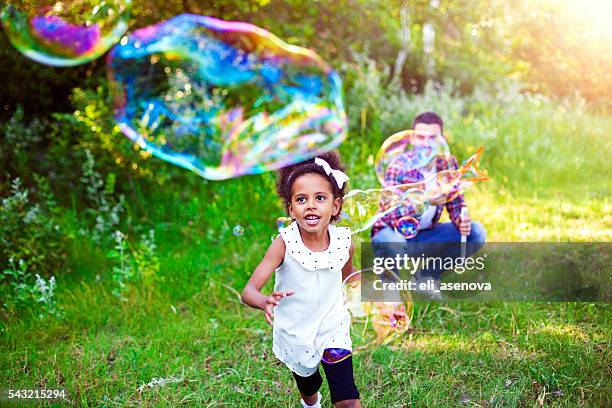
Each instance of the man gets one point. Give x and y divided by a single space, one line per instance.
432 235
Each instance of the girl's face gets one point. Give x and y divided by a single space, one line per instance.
312 202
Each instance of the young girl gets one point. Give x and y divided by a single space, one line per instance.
311 257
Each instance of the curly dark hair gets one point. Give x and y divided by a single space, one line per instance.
287 176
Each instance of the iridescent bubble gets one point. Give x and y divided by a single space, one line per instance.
283 222
362 208
408 227
238 230
224 98
400 147
388 319
64 33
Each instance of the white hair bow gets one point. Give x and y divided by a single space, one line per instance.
338 175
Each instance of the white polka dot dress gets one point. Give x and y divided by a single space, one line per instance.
314 318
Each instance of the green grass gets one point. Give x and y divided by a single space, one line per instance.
192 326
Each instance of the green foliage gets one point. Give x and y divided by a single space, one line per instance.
20 142
548 161
15 275
39 88
28 231
124 272
102 206
546 45
146 260
49 147
375 104
20 291
134 264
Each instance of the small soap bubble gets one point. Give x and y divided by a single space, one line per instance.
408 227
283 222
238 230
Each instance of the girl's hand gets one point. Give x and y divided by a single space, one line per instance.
272 301
397 317
393 312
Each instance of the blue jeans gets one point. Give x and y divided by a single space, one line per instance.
441 234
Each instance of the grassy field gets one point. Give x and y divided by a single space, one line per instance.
550 172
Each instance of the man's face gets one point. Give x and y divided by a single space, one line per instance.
426 135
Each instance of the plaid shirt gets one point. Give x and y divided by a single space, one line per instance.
398 173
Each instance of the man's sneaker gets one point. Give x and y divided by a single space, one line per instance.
316 404
431 287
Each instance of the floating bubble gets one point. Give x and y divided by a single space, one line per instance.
283 222
388 319
400 148
362 208
238 230
224 98
64 33
407 226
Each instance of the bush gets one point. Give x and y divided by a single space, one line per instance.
25 292
530 140
28 231
18 147
103 207
137 263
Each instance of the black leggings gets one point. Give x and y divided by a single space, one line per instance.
339 378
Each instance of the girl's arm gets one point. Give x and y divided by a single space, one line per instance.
349 268
251 294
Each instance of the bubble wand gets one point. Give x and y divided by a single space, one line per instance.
464 215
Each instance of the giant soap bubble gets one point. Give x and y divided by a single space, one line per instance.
398 147
64 33
390 318
362 208
223 98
